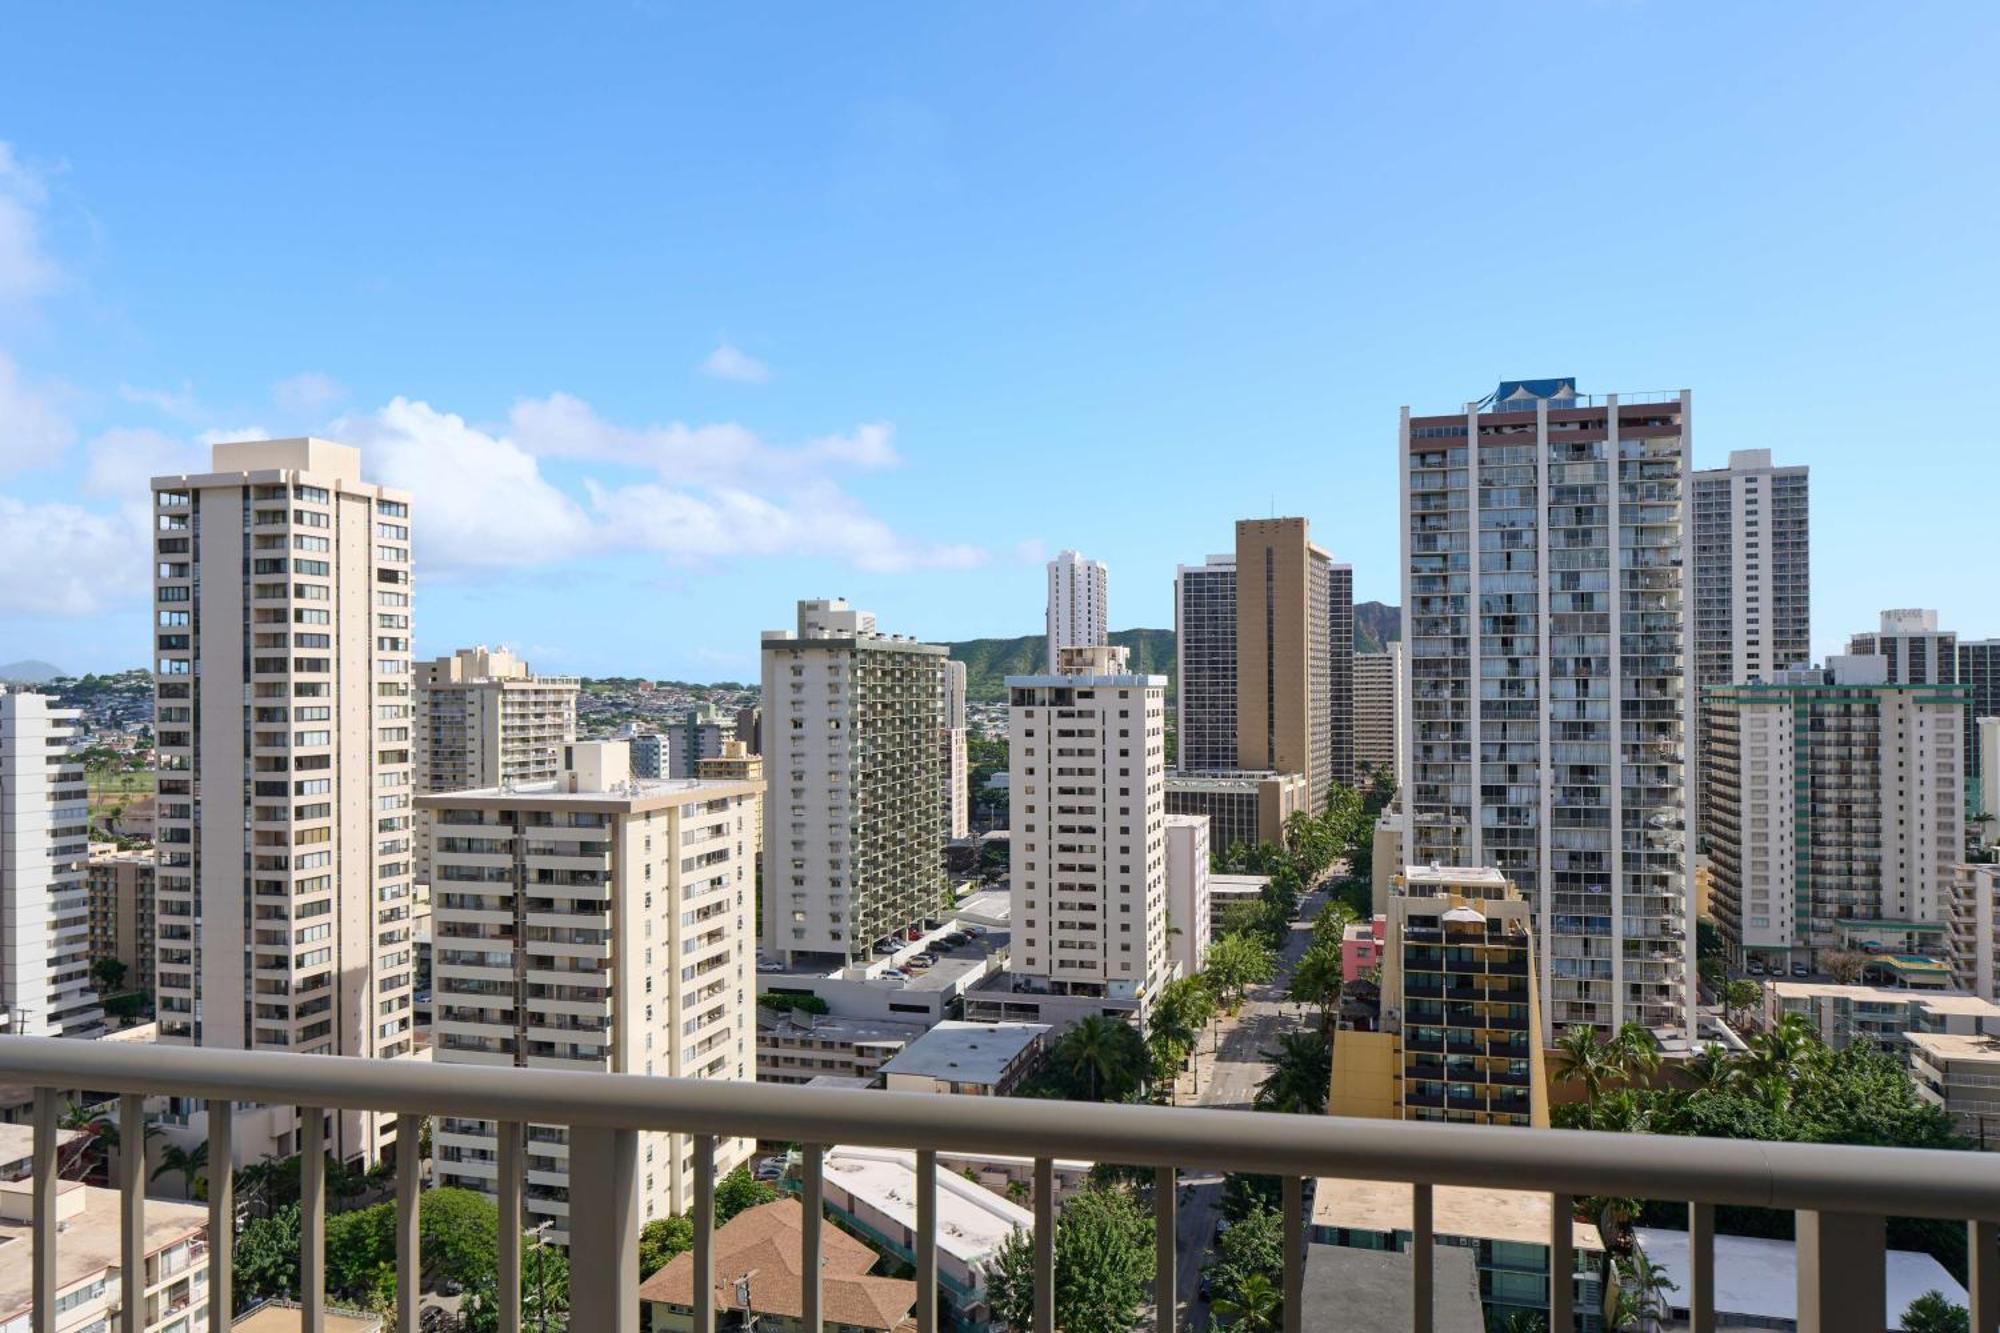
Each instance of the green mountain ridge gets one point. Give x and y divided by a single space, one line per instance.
988 662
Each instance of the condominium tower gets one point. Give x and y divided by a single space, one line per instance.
954 762
123 913
1917 652
484 719
1752 576
1205 645
45 986
1087 758
1544 556
1835 809
593 921
1077 611
285 739
1285 713
1979 672
1378 712
852 716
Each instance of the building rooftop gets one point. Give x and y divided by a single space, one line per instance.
1982 1049
633 794
1248 886
757 1257
1445 876
1375 1205
956 1052
285 1317
973 1222
89 1240
1368 1291
17 1147
1757 1279
833 1027
1937 1001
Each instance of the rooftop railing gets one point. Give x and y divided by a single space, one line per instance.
1842 1195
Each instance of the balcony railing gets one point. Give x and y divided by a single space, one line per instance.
1842 1195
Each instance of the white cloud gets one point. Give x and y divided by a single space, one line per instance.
26 271
33 430
485 502
120 463
60 560
179 404
233 434
728 362
1031 551
308 393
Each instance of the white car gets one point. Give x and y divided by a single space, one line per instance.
770 967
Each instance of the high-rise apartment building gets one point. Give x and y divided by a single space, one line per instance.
1087 761
484 719
1979 672
1917 651
1986 813
1205 644
122 912
1972 928
699 735
1462 1013
1752 576
44 845
593 922
1378 712
1545 548
1284 656
739 763
954 762
285 723
1834 812
750 728
852 857
1340 672
1077 612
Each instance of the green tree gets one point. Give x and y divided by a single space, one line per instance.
1251 1250
1237 962
660 1240
1255 1308
1317 981
1105 1058
267 1257
187 1163
107 974
1739 996
1104 1260
1332 920
1301 1075
1932 1312
781 1001
1581 1057
739 1190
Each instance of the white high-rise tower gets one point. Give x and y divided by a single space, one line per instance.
44 900
1077 604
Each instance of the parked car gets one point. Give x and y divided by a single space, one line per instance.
956 940
767 966
1801 970
1755 969
975 931
895 974
887 946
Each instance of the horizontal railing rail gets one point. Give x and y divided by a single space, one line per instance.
1842 1193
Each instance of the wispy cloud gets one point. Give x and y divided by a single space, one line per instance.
26 269
308 393
728 362
34 430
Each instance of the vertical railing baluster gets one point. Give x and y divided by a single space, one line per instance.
132 1212
604 1229
1562 1263
1166 1248
1292 1196
312 1220
812 1201
1045 1245
43 1228
1983 1274
221 1213
1842 1269
409 1177
927 1229
704 1233
1422 1284
1701 1268
511 1150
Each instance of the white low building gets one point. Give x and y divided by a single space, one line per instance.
972 1059
1757 1284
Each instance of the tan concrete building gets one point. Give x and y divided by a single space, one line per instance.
1284 655
1246 808
121 911
596 921
89 1297
738 763
954 764
285 715
484 718
1961 1073
1378 712
44 907
1972 928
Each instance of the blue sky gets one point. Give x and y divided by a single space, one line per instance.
675 314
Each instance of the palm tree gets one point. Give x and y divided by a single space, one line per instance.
1648 1285
1255 1307
1637 1055
1092 1049
1317 980
184 1162
1712 1070
1301 1075
1582 1057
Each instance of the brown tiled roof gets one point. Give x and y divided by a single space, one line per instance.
764 1243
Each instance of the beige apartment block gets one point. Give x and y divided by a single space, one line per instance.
1960 1073
89 1295
285 716
122 911
738 763
44 906
1972 928
595 921
1378 713
954 760
1088 795
1284 654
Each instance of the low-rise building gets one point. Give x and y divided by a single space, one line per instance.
1349 1290
1961 1073
794 1046
973 1059
1242 807
873 1191
1757 1284
88 1288
759 1283
1226 891
1188 888
1880 1015
1361 947
1506 1230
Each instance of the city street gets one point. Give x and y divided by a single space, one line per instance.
1228 1076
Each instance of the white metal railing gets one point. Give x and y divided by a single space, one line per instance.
1842 1194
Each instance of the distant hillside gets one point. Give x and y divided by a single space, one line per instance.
988 662
30 672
